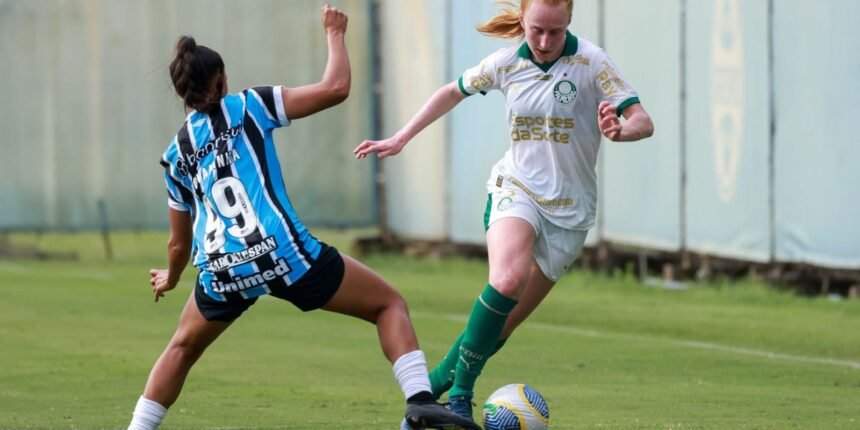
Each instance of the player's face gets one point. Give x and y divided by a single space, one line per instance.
546 29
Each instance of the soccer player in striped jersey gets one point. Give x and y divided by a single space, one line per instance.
229 208
562 92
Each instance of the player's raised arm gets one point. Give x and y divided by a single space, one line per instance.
333 88
440 103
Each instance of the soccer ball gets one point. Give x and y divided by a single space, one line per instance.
516 407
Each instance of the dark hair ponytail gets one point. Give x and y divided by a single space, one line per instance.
192 72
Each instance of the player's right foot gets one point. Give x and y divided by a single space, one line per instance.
432 415
460 405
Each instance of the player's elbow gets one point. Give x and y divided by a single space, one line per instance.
338 91
178 247
646 126
649 128
452 91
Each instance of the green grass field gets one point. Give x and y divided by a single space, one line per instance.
77 340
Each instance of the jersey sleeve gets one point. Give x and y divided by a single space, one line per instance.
266 104
481 78
179 194
612 85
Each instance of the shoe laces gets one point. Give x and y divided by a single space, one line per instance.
460 405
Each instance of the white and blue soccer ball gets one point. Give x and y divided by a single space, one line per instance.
516 407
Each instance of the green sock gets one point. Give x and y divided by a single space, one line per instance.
442 376
482 334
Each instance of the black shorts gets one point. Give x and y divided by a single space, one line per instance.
312 291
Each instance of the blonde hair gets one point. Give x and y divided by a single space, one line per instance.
506 25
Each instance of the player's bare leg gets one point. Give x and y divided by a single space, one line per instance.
191 338
364 294
537 288
189 341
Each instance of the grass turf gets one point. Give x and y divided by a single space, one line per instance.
78 339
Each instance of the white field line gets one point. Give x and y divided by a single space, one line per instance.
649 339
18 269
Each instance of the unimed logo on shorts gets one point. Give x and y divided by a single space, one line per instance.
244 282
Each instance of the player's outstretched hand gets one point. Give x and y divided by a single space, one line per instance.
333 20
160 282
382 148
608 122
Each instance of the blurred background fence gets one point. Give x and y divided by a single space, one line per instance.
88 108
753 157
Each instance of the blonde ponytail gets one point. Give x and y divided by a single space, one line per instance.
506 25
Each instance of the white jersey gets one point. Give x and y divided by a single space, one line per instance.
552 116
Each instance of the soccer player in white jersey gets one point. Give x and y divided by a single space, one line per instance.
562 92
229 207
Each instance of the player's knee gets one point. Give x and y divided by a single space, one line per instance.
509 283
392 303
184 350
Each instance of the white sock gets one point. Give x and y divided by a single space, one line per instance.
410 370
147 415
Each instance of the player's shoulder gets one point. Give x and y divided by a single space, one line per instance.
235 101
580 52
256 90
260 96
171 153
588 49
235 97
182 137
505 56
251 95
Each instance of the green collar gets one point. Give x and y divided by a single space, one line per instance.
571 44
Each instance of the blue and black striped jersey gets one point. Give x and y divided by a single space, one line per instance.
223 168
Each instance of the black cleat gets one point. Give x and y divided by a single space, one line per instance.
432 415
